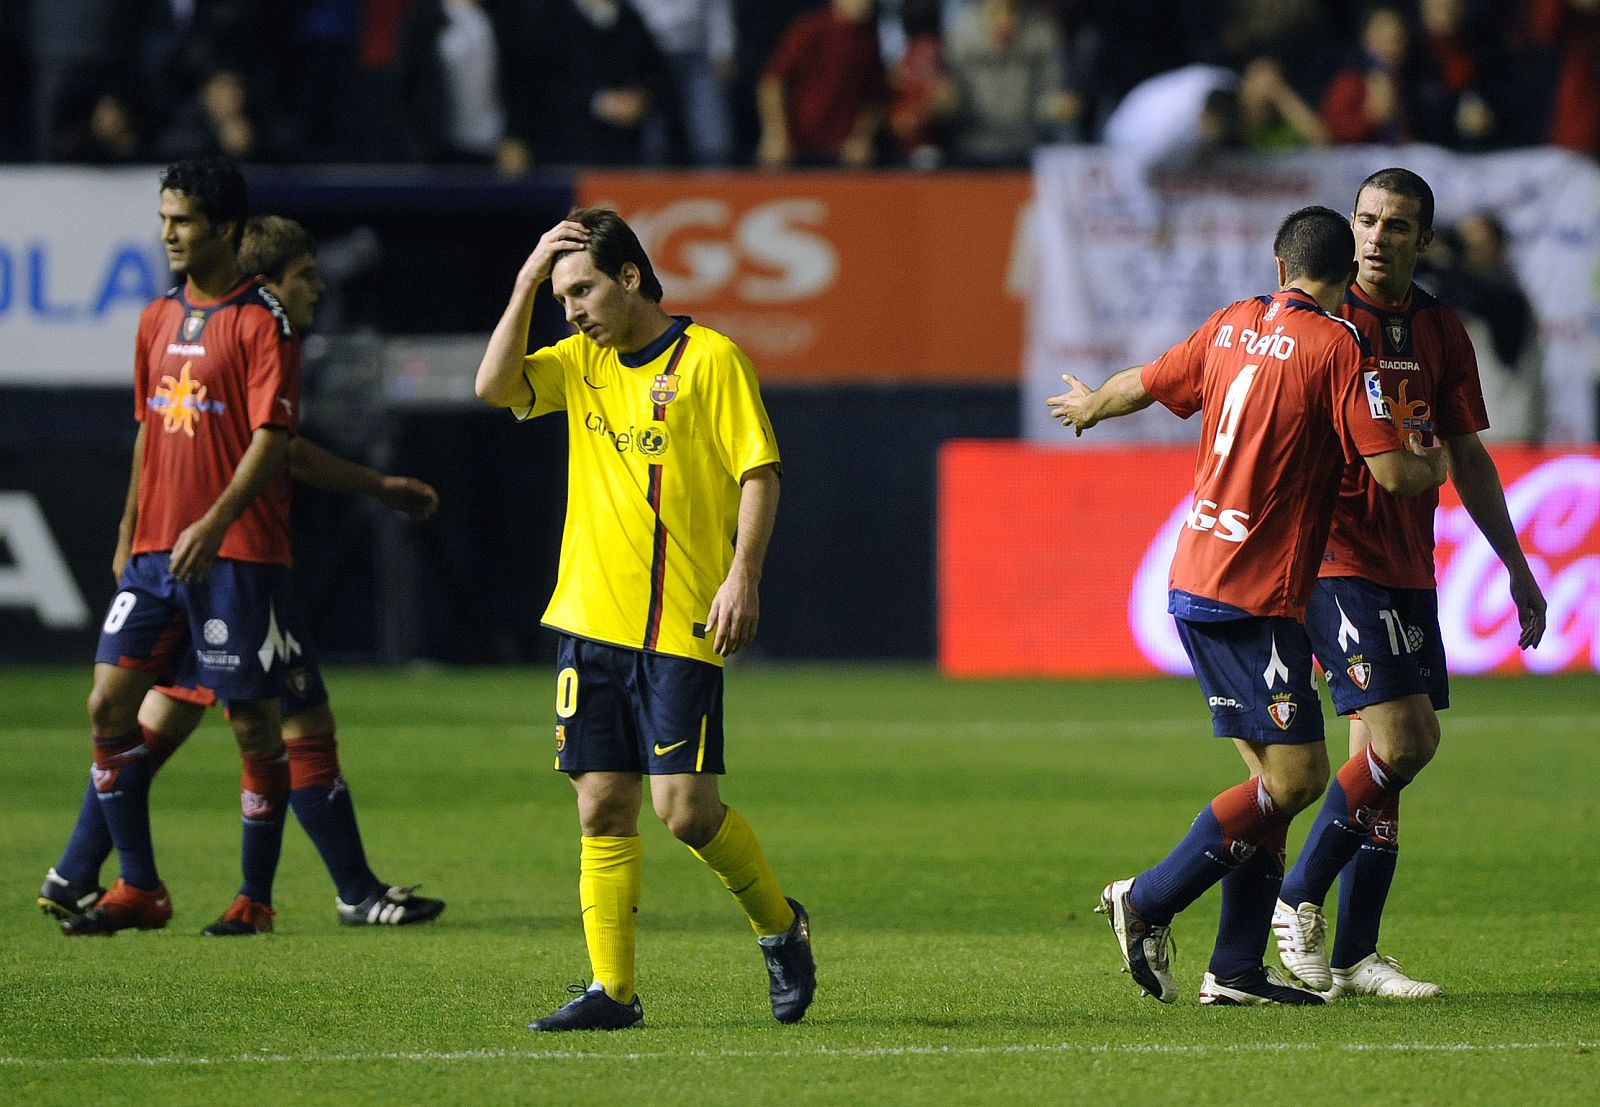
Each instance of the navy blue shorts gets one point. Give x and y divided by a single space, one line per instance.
631 711
303 688
227 624
1257 677
1377 644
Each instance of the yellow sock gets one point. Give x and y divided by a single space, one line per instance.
736 857
610 875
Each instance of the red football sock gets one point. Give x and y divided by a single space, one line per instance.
1369 786
313 761
1249 818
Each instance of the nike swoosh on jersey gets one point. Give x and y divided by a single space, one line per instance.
662 751
591 383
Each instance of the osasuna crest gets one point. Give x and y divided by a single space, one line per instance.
1282 710
1360 674
665 388
193 324
1397 334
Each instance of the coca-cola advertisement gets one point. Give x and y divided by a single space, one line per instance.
1053 561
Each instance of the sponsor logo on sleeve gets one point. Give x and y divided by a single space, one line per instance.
1375 401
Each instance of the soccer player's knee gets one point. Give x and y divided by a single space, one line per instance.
1296 787
608 813
692 824
1413 756
257 736
1408 741
109 712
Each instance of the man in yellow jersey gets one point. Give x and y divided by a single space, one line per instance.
672 489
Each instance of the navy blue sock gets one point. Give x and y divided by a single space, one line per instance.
1357 795
1363 891
1249 893
1223 835
1332 840
1198 861
264 790
122 784
329 818
89 845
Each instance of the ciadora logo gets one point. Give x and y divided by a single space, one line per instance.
1555 508
768 253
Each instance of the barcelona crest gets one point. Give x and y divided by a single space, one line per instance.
665 388
1395 331
561 737
1283 711
1360 674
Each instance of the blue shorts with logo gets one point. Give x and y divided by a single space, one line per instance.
229 625
1257 676
303 688
631 711
1377 644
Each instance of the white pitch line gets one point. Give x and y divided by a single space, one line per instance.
824 1052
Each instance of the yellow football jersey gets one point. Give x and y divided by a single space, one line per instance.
659 441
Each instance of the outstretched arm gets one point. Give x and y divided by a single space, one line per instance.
1081 407
314 465
736 608
1477 481
500 381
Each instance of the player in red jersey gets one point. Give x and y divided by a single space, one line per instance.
1373 617
1281 387
282 256
217 397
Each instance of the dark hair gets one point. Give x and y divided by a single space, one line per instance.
1403 182
270 243
1315 242
216 186
612 244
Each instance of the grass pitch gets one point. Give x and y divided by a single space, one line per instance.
949 840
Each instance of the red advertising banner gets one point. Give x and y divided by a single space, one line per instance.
836 276
1053 561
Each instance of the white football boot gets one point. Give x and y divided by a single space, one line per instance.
1302 935
1377 975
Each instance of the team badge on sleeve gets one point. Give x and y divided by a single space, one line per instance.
1282 709
665 388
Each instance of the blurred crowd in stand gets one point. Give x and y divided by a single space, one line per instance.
519 84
